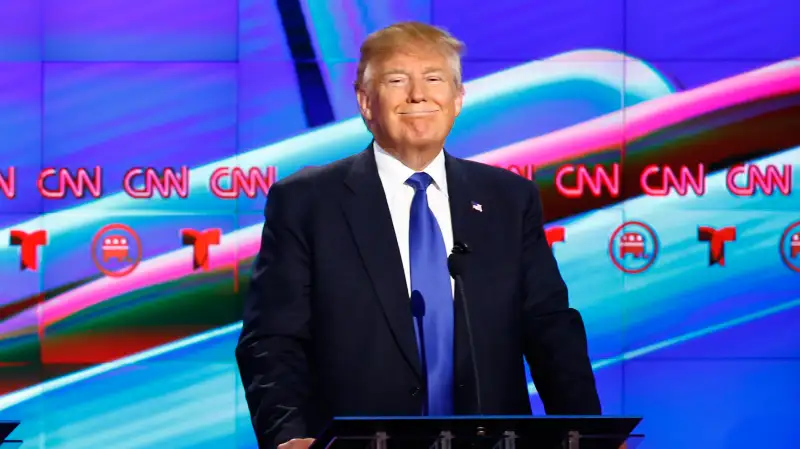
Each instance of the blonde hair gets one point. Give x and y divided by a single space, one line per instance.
406 36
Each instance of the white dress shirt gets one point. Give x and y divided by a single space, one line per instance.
399 195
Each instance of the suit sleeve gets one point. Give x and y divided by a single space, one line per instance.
555 337
271 353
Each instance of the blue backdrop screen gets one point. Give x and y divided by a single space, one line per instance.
138 140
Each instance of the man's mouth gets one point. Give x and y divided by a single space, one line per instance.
417 113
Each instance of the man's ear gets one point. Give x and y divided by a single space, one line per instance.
459 99
364 104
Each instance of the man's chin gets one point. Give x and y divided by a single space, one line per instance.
430 143
423 137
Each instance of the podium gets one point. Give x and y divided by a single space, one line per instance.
480 432
6 427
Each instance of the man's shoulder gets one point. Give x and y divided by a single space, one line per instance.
317 178
496 178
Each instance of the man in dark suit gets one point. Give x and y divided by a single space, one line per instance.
328 325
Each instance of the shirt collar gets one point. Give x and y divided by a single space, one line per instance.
394 174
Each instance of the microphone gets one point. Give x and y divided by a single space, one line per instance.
455 263
417 303
460 248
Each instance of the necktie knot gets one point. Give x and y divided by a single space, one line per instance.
419 181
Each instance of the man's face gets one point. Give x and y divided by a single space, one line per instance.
413 100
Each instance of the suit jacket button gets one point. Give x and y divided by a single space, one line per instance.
460 385
414 391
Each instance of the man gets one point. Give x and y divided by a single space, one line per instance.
328 325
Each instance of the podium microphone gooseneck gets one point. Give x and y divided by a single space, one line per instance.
455 263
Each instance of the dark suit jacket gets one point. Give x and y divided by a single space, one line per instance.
327 325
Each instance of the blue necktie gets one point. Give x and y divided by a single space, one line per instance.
431 278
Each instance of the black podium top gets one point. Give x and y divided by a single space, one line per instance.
6 427
596 432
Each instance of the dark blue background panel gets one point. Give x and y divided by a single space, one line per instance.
158 114
20 30
124 30
270 103
20 133
710 29
510 29
261 36
339 27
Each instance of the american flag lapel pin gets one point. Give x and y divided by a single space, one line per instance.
477 206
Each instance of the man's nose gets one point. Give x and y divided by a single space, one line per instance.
416 92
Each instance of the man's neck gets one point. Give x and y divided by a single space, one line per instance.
415 158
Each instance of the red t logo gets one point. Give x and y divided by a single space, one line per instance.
27 247
555 234
716 240
201 240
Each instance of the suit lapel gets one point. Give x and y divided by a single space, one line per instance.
367 213
469 219
466 204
